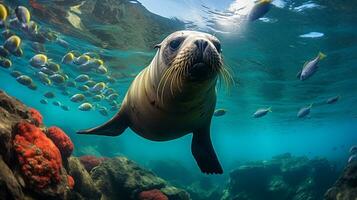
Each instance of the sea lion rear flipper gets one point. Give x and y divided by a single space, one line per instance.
115 126
204 153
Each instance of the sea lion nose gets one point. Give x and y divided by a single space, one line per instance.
201 44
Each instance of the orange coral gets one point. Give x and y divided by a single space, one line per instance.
62 141
38 156
36 116
154 194
70 181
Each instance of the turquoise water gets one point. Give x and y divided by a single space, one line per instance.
264 55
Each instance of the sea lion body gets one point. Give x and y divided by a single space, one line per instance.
175 95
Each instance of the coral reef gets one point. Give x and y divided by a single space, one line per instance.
35 163
345 187
89 162
62 141
283 178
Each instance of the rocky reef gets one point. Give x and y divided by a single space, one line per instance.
119 24
36 163
283 178
345 187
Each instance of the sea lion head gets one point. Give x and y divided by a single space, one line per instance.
189 57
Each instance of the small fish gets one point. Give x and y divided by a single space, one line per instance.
43 101
12 43
23 14
89 65
113 96
7 33
102 70
352 158
332 100
32 86
115 107
4 52
65 108
77 98
62 42
97 97
24 80
219 112
303 112
31 27
353 149
58 78
38 61
68 58
38 47
82 78
108 91
83 88
56 103
3 13
47 71
98 87
103 111
65 93
85 107
81 60
53 66
15 74
310 67
113 103
49 95
111 79
5 63
261 112
259 10
90 83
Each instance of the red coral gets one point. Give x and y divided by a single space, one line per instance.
89 162
62 141
70 181
39 158
154 194
36 116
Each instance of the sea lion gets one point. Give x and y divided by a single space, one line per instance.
175 95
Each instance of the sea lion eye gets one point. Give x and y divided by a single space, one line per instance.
174 44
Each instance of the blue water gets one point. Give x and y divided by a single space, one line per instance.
264 56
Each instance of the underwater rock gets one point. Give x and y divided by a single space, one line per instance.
345 187
84 187
120 177
61 140
284 177
9 187
89 162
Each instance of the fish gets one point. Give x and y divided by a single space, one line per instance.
310 67
38 60
56 103
97 97
15 74
219 112
83 88
113 96
65 108
259 9
32 86
3 13
108 91
352 158
82 78
38 47
49 95
65 93
23 14
68 58
261 112
111 79
53 66
12 43
98 87
58 78
353 149
102 69
77 98
90 83
85 107
304 111
71 83
24 80
47 71
103 111
31 27
4 52
43 101
62 42
5 63
332 100
81 60
91 64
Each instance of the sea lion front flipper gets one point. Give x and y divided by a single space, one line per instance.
204 153
115 126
